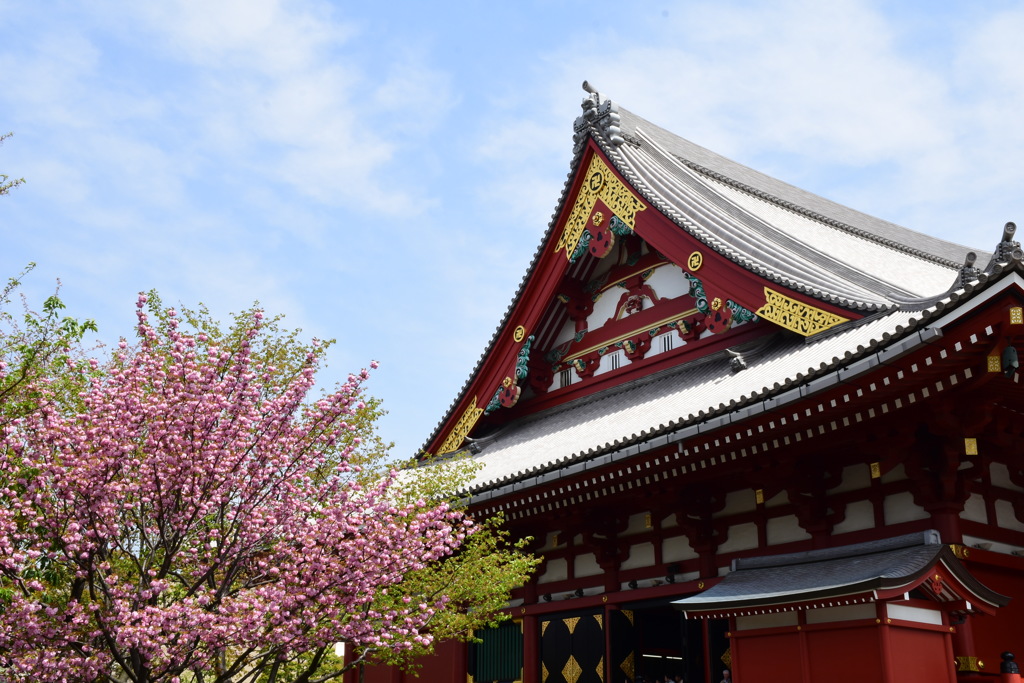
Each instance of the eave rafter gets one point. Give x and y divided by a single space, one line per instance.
877 401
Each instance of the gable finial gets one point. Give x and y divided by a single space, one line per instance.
1008 248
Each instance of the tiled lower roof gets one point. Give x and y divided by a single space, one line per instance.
831 574
571 433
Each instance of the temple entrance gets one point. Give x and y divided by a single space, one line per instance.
667 645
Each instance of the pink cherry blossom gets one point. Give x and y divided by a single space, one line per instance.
197 513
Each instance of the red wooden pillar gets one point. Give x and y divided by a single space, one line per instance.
531 650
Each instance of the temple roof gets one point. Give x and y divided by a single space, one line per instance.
890 278
861 570
785 234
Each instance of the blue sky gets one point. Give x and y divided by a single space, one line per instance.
382 173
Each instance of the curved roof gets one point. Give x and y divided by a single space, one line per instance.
782 233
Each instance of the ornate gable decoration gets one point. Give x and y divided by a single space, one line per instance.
599 183
795 315
462 428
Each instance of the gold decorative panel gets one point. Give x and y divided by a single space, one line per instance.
970 446
876 470
628 667
1017 316
994 364
600 183
462 428
600 620
572 671
628 613
544 627
570 623
759 496
600 668
796 315
543 673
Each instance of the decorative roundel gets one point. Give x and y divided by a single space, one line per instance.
596 181
695 261
601 243
509 396
598 218
716 303
519 334
720 320
507 382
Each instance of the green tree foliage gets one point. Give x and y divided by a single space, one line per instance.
38 345
6 184
477 580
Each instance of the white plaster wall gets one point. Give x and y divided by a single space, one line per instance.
737 502
897 473
741 537
780 498
637 524
775 620
785 530
668 281
1005 519
859 515
900 507
826 615
640 555
974 509
854 478
604 307
554 570
586 565
677 549
999 475
567 333
919 615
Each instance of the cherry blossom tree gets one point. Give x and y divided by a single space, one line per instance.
194 517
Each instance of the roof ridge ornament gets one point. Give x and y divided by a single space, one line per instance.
968 272
597 114
1007 250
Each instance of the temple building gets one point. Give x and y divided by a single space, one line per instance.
749 428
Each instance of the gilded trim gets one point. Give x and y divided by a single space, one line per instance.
462 428
796 315
600 183
572 670
622 337
965 663
570 623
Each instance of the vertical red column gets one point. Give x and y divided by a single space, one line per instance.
531 650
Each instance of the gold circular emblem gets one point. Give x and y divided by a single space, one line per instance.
522 610
596 181
604 598
507 382
695 261
598 218
716 303
700 585
520 334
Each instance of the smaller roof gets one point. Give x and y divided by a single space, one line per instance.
852 572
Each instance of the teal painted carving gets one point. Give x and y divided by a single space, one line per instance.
618 227
523 359
581 248
740 314
521 372
596 283
578 337
697 292
555 354
494 404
